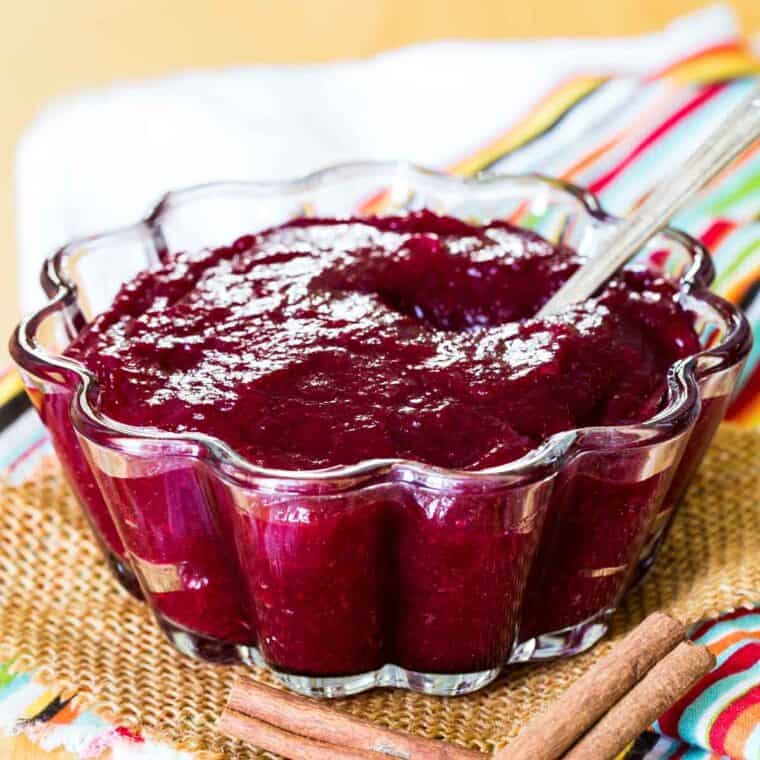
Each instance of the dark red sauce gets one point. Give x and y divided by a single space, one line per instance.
326 342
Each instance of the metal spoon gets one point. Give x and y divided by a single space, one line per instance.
735 133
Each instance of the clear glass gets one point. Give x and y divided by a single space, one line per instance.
386 572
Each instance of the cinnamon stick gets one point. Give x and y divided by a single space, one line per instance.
311 719
552 732
662 687
273 739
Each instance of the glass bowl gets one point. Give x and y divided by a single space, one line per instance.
386 572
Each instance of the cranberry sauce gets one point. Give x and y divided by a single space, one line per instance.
53 408
428 580
326 342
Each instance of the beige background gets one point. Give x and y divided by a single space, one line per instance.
48 47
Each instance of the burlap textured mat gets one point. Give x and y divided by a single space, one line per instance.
63 617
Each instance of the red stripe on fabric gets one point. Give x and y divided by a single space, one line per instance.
706 94
727 717
717 232
26 453
726 618
747 396
703 629
740 660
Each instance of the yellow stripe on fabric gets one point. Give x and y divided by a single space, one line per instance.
710 66
546 113
10 386
715 67
39 704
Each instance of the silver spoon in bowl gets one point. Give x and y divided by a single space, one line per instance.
735 133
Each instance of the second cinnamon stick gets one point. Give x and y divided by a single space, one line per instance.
661 688
552 732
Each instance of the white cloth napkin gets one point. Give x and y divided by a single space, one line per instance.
99 159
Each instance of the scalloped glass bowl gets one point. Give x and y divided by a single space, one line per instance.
386 572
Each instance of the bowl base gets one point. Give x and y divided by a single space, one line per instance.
215 651
564 642
199 647
389 676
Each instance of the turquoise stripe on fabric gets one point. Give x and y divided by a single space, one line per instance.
753 360
18 681
743 263
726 627
661 100
89 720
638 178
697 718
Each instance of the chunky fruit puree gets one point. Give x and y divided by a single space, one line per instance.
326 342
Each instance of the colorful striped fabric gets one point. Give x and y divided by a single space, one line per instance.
23 440
28 707
617 135
720 717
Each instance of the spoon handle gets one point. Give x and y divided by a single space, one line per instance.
735 133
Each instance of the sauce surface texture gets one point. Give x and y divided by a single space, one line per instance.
327 342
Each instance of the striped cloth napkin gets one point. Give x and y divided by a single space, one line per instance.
617 131
720 716
620 152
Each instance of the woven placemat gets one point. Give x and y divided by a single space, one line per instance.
63 617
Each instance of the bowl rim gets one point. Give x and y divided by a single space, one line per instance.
683 396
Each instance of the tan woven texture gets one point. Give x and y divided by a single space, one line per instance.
62 616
